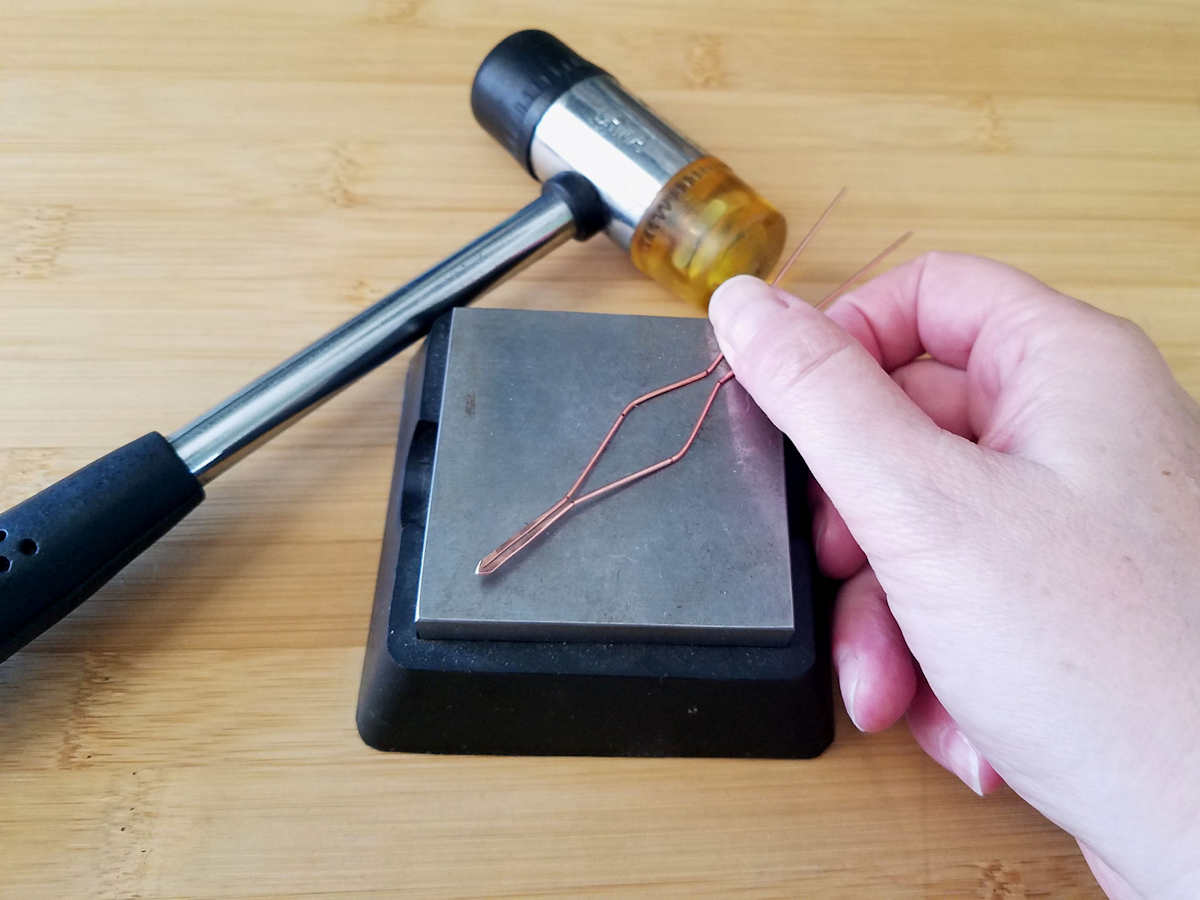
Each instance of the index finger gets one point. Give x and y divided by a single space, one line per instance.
941 304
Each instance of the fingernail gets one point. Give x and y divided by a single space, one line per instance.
965 761
738 310
849 677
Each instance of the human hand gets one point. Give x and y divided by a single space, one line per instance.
1017 518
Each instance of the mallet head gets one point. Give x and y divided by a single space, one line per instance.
686 219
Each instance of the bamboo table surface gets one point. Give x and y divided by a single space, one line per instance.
191 191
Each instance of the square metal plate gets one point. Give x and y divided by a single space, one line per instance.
697 553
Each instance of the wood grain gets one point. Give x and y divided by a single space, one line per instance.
189 191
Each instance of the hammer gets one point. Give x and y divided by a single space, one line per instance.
605 162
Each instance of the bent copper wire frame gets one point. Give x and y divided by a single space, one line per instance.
572 498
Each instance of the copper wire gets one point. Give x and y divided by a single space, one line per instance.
572 499
795 255
875 260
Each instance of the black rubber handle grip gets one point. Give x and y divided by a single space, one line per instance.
61 545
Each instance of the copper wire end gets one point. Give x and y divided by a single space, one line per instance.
804 241
875 260
572 498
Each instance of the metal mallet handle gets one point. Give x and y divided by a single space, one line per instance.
214 441
61 545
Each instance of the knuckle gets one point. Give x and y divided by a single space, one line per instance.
1115 339
935 259
1131 332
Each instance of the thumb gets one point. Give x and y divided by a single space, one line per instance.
877 455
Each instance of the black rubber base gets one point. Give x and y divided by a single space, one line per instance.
613 699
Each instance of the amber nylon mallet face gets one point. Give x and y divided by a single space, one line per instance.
572 498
